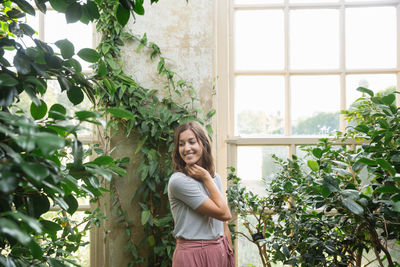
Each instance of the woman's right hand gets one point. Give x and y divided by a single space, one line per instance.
197 172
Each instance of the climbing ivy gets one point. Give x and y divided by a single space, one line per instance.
151 118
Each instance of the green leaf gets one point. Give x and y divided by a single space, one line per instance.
41 6
75 64
396 206
389 99
92 10
89 55
55 263
31 222
138 7
48 142
12 229
72 204
145 216
388 189
35 170
313 165
38 204
352 206
38 112
22 63
40 85
317 152
73 12
103 160
365 90
8 182
7 80
75 95
27 29
57 112
84 115
35 249
122 15
387 166
367 161
330 183
362 128
102 69
395 158
66 47
118 170
121 113
25 6
50 227
94 169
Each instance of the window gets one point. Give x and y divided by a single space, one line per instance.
292 65
50 28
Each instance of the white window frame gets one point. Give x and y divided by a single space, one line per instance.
226 142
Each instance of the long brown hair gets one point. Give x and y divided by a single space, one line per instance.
202 137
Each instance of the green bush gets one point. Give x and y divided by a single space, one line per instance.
344 205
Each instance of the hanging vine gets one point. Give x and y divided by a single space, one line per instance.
153 120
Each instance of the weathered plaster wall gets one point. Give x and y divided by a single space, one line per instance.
184 32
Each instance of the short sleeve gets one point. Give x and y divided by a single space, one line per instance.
187 190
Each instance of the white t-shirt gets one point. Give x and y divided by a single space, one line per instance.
185 195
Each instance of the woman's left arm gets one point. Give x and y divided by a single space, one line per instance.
227 233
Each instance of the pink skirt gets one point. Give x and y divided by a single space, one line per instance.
203 253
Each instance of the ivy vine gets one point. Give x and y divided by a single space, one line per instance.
151 118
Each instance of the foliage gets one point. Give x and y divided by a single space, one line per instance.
153 120
321 123
345 204
42 161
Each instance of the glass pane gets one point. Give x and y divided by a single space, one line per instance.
259 39
245 2
313 1
315 104
379 83
314 39
259 105
56 28
256 167
371 37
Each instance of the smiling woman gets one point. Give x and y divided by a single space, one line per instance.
198 208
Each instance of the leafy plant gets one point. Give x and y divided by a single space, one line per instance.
345 204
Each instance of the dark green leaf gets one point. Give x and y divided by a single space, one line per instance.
366 161
386 165
362 128
389 99
121 113
75 64
8 182
65 84
317 152
388 189
25 6
73 12
365 90
50 227
31 222
66 47
89 55
330 183
35 170
35 249
38 112
102 69
7 80
84 115
12 229
22 63
72 204
352 206
75 95
48 142
27 29
145 216
40 85
38 204
122 15
138 7
57 112
93 10
41 6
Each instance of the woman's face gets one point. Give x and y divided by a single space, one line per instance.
190 149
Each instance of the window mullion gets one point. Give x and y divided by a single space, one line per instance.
342 62
287 74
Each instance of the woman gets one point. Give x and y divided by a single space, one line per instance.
198 206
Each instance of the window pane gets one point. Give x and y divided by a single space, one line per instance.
379 83
258 1
371 37
56 28
259 39
314 39
315 104
259 105
256 166
313 1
